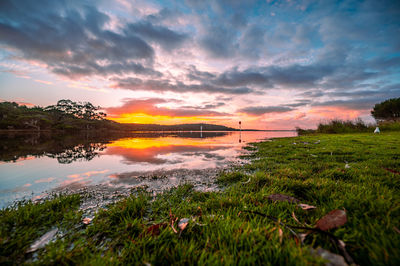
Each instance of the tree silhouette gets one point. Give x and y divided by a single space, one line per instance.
83 110
387 110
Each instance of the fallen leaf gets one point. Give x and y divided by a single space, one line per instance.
87 220
172 225
306 206
155 229
280 235
341 243
303 236
281 197
183 223
334 259
332 220
392 171
295 218
42 241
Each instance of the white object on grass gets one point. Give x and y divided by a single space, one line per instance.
377 130
42 241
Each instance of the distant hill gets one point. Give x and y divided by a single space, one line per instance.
179 127
71 116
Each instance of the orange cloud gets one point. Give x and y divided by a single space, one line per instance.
149 111
44 81
142 118
45 180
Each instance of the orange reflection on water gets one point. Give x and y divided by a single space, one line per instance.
146 143
146 149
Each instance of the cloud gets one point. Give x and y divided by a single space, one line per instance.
150 107
248 77
45 180
353 104
167 38
135 84
73 40
44 81
219 42
260 110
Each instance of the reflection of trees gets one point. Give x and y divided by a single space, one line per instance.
79 147
78 153
65 148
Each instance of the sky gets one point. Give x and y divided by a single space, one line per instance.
270 64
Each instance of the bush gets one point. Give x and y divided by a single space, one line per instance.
389 126
342 126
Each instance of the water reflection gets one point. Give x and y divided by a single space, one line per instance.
152 150
31 164
69 148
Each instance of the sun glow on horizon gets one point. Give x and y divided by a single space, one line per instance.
142 118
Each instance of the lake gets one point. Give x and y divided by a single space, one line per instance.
34 165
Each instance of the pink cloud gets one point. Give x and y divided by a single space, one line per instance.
45 180
44 81
150 106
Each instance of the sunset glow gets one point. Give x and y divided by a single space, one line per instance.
142 118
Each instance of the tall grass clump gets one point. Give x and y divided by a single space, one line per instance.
343 126
338 126
389 125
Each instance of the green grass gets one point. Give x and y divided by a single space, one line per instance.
24 222
220 231
337 126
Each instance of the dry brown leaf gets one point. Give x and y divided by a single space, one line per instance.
87 220
295 218
280 235
332 220
281 197
172 225
155 229
306 206
183 223
303 236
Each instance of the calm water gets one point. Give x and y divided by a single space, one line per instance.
31 165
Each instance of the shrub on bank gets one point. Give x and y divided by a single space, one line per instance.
342 126
337 126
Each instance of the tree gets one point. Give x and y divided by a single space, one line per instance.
387 110
84 110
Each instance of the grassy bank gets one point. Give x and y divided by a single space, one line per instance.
359 173
337 126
